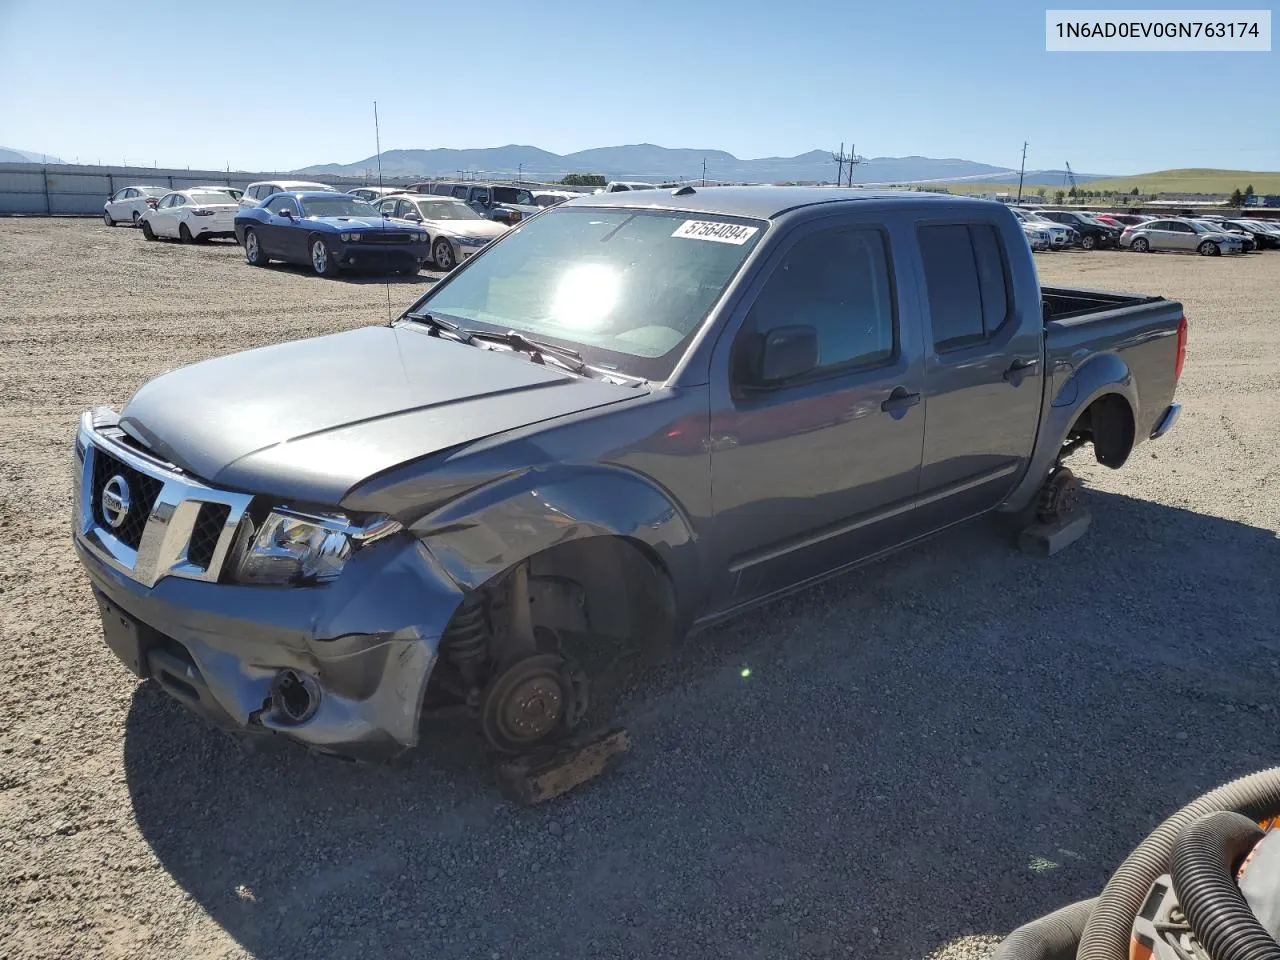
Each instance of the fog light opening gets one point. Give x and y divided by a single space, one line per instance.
294 696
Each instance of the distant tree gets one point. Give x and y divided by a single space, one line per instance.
1072 192
1134 192
1237 198
1040 193
1248 191
1059 196
583 180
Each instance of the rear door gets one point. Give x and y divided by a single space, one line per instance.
983 371
815 473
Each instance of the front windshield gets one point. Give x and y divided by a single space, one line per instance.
512 195
628 288
446 210
339 206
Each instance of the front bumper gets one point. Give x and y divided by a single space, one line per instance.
366 642
383 256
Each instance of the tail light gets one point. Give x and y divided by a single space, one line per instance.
202 212
1182 348
152 201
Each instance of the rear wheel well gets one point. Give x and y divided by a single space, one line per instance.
1108 424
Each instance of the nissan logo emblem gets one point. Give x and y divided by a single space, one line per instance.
115 501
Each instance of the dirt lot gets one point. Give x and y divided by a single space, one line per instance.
936 748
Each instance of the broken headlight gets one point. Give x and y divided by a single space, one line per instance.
297 548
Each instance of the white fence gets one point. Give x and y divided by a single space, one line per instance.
33 189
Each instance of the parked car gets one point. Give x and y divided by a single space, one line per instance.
497 201
374 194
621 186
549 198
335 538
191 215
328 231
1037 237
255 193
1180 235
1224 226
128 204
234 192
455 231
1060 235
1093 233
1265 235
1131 219
1110 220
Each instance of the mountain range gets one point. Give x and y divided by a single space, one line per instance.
10 155
647 161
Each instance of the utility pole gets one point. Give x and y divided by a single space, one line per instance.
704 171
1022 169
519 173
839 158
854 160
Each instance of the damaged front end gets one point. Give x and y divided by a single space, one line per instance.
314 625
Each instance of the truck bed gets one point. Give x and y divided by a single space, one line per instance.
1141 331
1064 303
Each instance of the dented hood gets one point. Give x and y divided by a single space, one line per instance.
309 420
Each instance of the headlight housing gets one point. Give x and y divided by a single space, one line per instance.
348 237
295 549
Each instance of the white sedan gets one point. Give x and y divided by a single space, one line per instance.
128 204
457 232
191 215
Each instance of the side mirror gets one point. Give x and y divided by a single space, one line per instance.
788 352
413 217
286 213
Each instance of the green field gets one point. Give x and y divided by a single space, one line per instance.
1161 181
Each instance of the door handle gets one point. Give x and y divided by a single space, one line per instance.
1020 368
899 400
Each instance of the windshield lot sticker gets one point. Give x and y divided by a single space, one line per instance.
734 233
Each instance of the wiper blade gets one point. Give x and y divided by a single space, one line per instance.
537 349
440 325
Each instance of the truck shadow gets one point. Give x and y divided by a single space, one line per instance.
951 742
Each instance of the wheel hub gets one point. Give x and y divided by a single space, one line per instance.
530 702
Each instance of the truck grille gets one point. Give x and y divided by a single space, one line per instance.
204 537
385 237
175 525
143 491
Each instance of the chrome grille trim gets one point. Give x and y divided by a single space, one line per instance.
166 536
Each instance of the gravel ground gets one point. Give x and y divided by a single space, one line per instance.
926 753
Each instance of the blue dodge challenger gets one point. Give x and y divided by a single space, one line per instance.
329 231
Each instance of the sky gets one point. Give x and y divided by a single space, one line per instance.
282 84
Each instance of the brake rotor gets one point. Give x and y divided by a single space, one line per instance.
1060 499
531 702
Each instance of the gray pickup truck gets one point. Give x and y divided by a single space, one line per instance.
631 416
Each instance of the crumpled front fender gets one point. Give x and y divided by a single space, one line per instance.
489 530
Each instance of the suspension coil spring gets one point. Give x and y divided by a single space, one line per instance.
466 642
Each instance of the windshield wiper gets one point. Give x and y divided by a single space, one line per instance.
537 349
440 325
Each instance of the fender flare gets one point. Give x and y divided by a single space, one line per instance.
1101 375
491 529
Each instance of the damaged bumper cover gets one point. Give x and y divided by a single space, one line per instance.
341 667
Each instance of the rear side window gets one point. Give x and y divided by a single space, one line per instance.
838 282
967 283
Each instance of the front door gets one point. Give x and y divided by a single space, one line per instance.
161 219
1182 236
813 474
281 238
983 373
